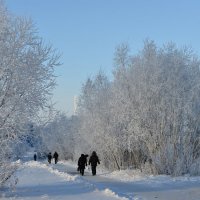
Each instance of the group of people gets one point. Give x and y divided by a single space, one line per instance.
50 157
82 161
93 160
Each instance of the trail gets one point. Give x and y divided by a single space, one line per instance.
40 180
152 188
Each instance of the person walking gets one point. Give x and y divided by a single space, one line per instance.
82 162
35 157
55 156
49 157
93 161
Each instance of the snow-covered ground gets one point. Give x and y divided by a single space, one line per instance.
40 180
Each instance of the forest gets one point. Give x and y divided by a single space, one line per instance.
147 117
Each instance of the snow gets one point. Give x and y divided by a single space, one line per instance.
40 180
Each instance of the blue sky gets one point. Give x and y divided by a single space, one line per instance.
86 33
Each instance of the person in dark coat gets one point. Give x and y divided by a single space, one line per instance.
35 157
93 161
55 156
49 157
82 162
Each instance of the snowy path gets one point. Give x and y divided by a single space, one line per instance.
159 187
40 181
62 181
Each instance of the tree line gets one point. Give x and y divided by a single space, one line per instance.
147 117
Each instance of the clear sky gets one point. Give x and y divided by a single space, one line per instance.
87 32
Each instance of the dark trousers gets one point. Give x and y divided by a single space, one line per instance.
81 171
56 160
94 170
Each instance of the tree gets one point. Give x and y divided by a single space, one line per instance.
26 80
157 92
148 117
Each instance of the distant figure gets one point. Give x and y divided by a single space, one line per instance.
82 162
35 157
49 157
93 161
55 156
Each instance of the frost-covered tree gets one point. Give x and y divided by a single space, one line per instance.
26 80
156 90
94 115
152 110
59 135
